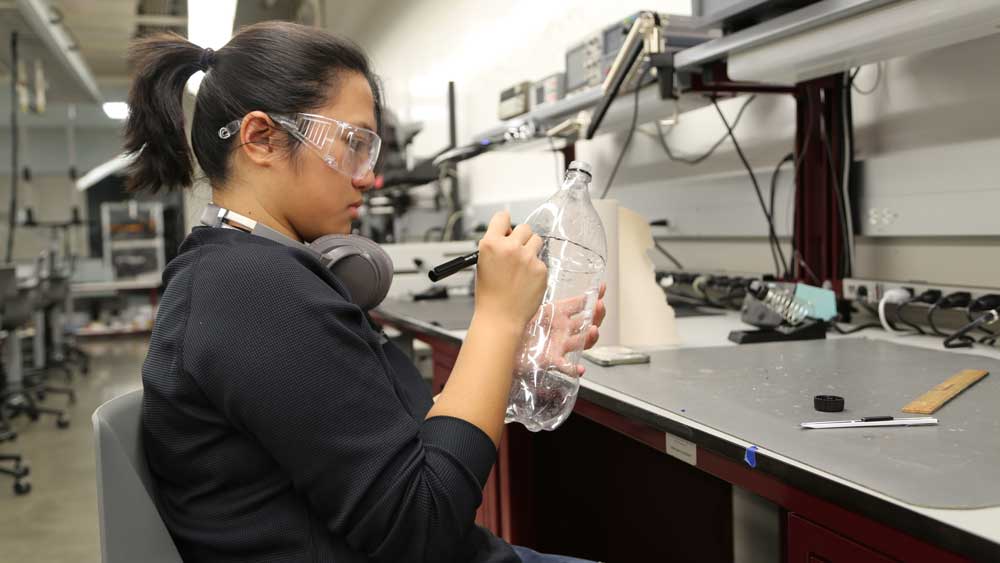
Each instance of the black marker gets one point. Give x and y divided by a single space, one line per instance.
441 271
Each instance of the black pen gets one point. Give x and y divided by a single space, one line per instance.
441 271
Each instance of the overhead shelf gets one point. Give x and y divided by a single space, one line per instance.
800 20
618 117
834 36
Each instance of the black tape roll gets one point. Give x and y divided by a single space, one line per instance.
828 403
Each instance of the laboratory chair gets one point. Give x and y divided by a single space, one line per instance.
66 341
19 393
18 470
131 527
59 263
49 352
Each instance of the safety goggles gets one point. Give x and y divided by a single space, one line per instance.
346 148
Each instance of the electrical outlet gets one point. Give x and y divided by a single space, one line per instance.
871 291
881 217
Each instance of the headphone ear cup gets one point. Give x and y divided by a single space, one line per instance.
360 264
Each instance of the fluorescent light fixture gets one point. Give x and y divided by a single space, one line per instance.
115 110
210 25
902 28
116 165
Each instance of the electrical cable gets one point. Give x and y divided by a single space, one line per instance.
795 255
449 226
901 320
738 293
868 307
790 157
854 329
825 137
986 302
631 133
950 301
711 150
15 138
845 184
669 256
874 86
897 295
961 338
929 297
756 187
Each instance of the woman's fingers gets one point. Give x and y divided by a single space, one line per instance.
499 225
534 244
593 335
600 311
521 234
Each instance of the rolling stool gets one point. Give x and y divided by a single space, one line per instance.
65 340
19 470
17 398
48 343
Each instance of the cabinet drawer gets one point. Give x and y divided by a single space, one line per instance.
811 543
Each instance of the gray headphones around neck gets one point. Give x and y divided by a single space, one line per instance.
359 263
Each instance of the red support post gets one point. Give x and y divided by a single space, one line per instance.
820 212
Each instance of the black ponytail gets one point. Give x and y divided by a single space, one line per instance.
275 67
155 124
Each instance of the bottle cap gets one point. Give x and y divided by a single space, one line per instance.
580 165
828 403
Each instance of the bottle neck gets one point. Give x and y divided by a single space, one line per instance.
577 185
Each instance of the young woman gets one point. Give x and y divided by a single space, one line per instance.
278 425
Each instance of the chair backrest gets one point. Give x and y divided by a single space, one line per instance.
131 527
18 310
8 282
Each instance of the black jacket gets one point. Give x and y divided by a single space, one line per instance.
279 426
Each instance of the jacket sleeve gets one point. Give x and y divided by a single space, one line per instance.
293 365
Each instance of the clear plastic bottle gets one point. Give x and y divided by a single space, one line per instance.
545 381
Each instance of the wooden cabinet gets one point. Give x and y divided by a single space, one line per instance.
811 543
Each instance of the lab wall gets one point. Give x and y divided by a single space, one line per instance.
50 193
51 197
45 150
928 133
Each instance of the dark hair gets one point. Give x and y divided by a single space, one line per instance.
274 67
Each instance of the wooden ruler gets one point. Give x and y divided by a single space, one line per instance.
945 391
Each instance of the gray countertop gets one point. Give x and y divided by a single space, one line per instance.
720 394
760 393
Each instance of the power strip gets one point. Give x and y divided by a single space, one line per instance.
871 291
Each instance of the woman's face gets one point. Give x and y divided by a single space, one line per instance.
323 200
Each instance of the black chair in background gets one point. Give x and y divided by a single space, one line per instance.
49 352
23 387
8 293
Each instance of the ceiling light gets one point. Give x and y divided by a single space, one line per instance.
115 110
210 26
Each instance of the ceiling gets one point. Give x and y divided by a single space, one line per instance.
103 29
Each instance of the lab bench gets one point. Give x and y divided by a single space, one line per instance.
644 469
